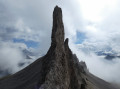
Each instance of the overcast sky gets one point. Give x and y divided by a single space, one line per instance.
91 26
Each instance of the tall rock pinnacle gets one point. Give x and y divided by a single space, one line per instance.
58 27
58 69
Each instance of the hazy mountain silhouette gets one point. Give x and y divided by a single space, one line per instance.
58 69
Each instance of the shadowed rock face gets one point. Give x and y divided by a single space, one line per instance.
58 69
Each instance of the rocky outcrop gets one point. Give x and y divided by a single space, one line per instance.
58 69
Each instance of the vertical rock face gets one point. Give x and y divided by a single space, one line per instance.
58 69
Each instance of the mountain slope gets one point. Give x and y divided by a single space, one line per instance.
58 69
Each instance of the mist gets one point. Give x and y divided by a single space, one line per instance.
10 57
105 69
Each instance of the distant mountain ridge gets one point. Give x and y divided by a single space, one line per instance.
108 56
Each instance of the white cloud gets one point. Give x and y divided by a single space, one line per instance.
98 65
10 56
100 24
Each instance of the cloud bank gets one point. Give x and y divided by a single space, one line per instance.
10 56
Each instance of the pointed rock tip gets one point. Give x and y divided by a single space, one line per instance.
57 13
57 8
66 41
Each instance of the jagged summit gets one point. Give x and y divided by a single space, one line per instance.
58 69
